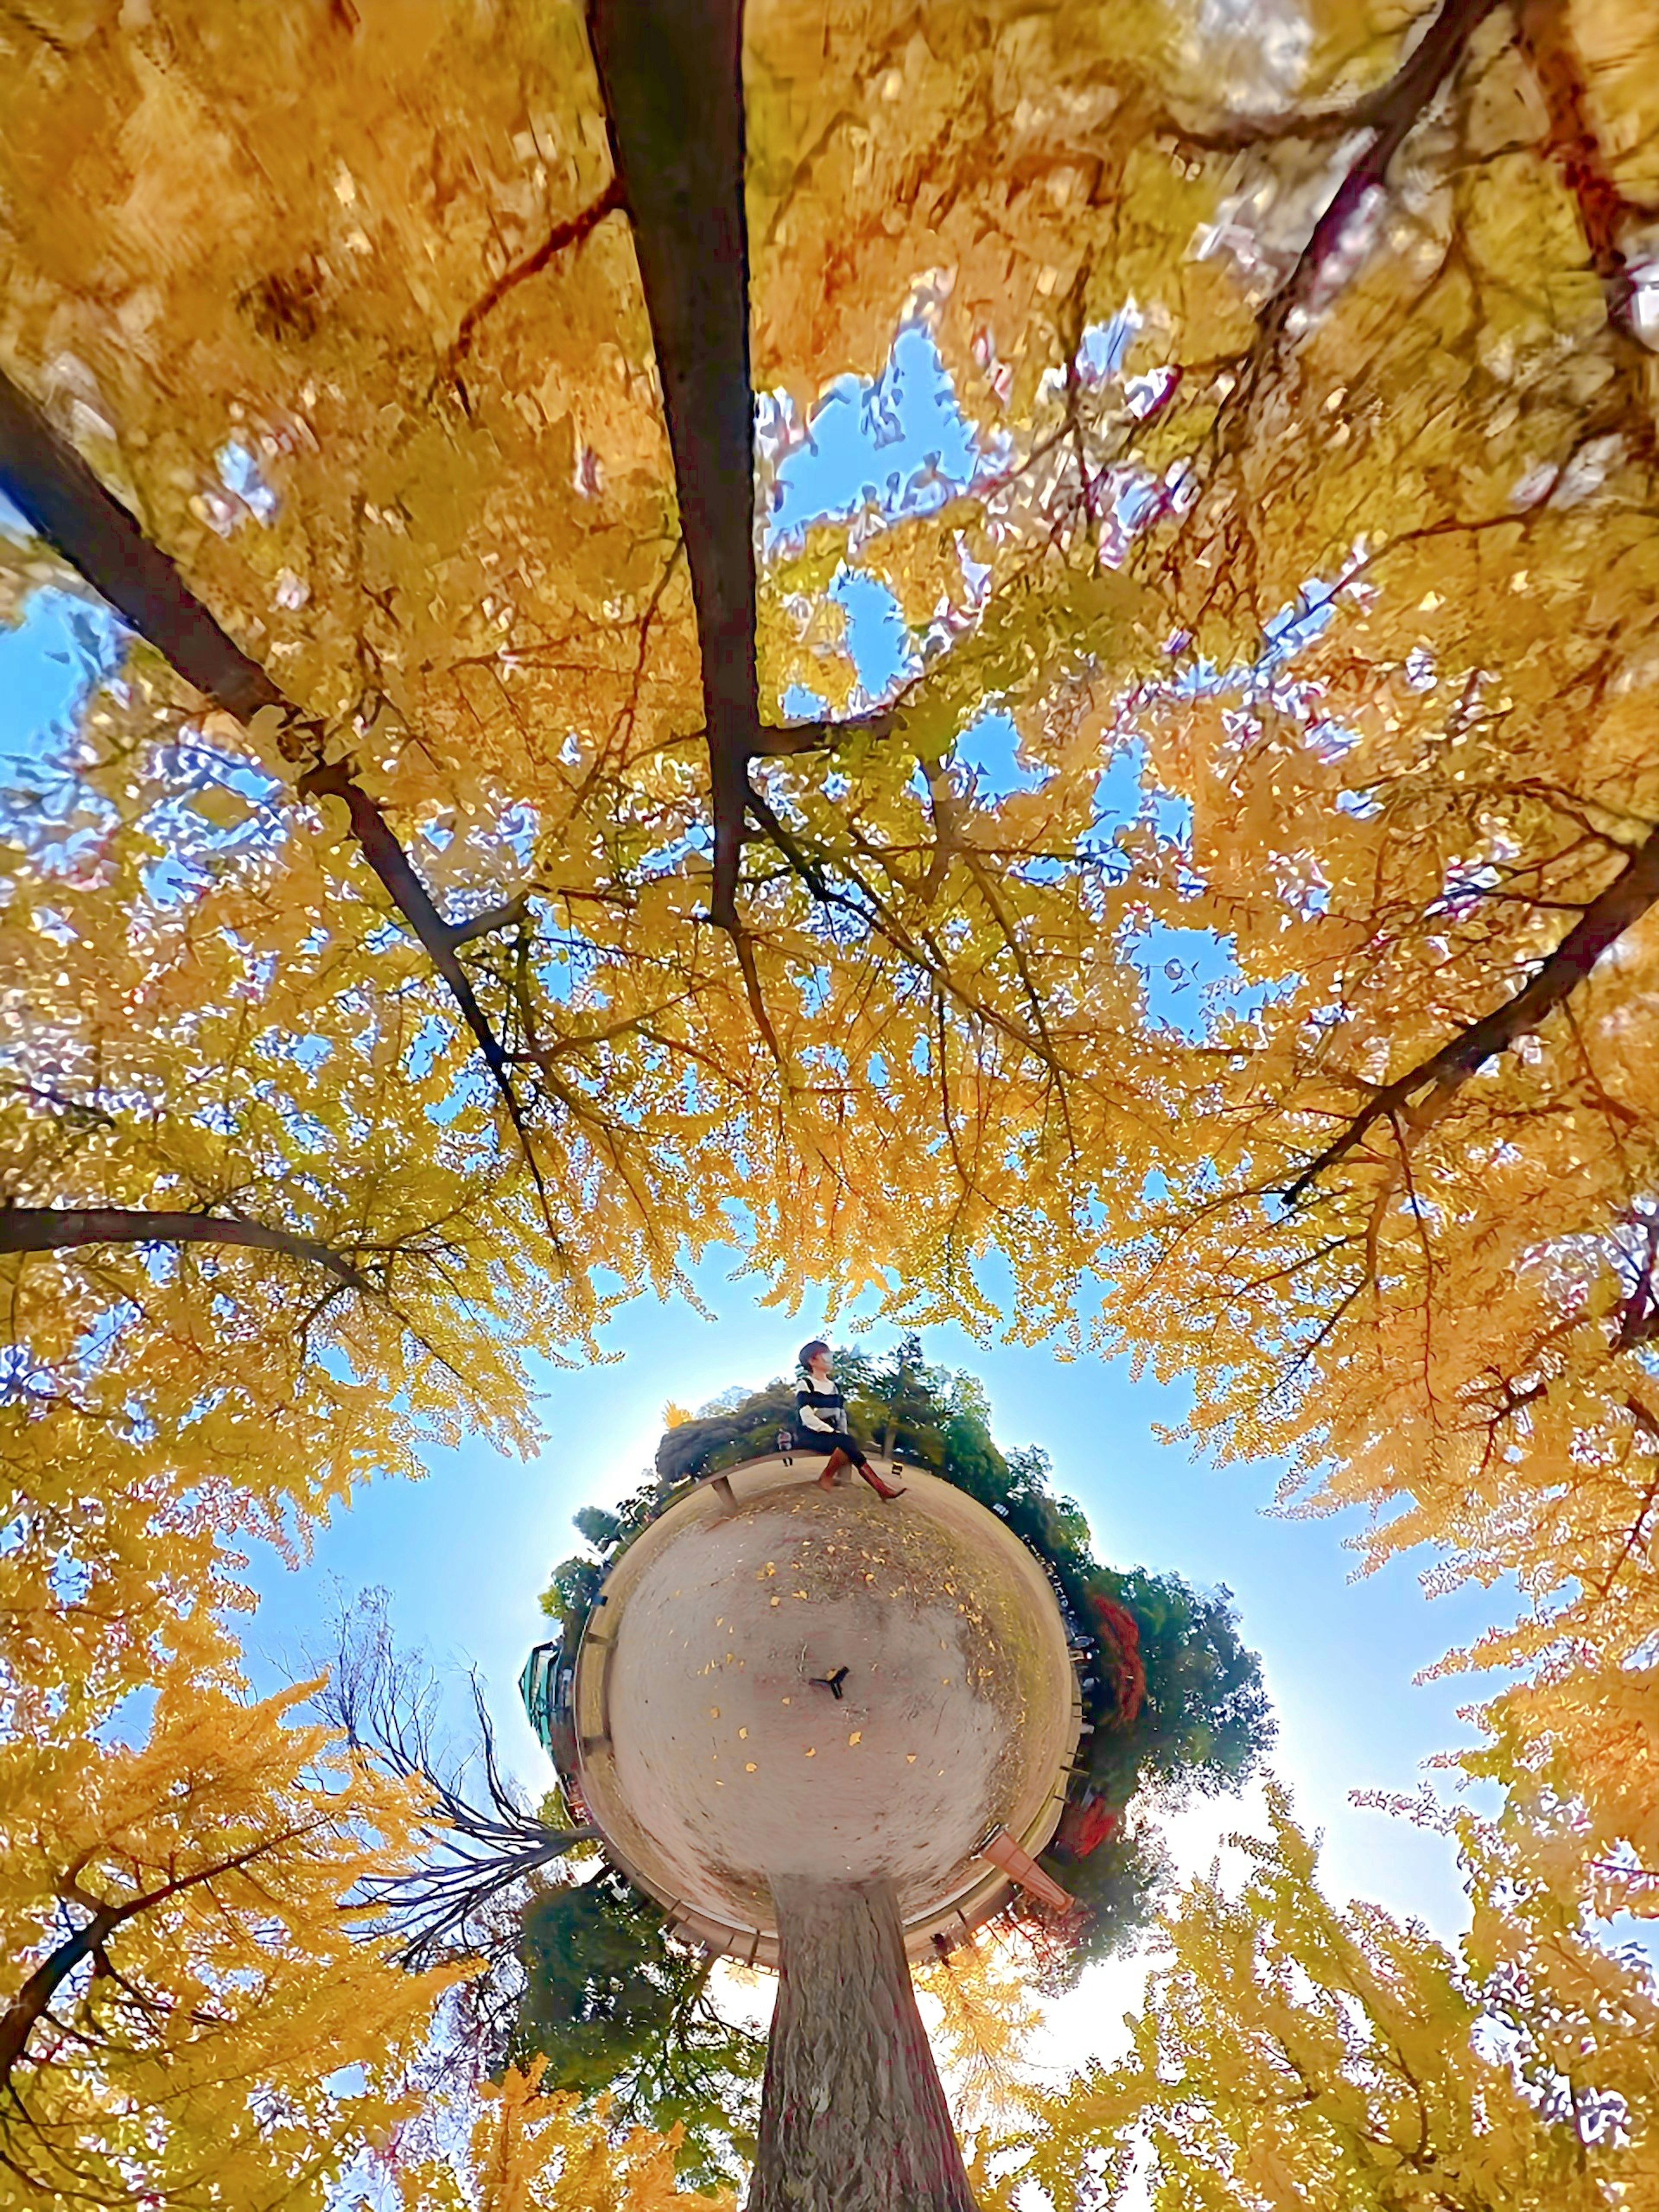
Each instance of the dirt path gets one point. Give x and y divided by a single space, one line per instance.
727 1766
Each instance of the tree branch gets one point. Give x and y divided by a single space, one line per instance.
658 62
1639 1526
1390 115
383 1702
54 1229
806 868
62 499
574 231
511 914
1371 111
671 75
775 740
1395 112
1545 36
1625 901
30 2004
389 860
1637 1325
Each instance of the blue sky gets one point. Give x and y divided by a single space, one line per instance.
466 1552
44 665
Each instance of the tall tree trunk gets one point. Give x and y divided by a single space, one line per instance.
853 2117
672 73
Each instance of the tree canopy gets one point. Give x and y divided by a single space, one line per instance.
1294 2053
478 879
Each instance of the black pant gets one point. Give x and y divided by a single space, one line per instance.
827 1441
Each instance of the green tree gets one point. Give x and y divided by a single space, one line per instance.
615 2010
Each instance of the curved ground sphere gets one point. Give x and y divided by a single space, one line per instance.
713 1762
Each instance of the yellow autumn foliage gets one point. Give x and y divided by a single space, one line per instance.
529 2150
981 2019
1295 2054
184 1980
1313 563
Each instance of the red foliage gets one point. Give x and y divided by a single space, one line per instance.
1120 1645
1085 1825
1098 1821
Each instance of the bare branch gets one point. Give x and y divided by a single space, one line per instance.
1625 901
477 1850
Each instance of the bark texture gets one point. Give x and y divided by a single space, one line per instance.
853 2117
672 72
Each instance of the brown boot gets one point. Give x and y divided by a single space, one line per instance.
888 1490
832 1468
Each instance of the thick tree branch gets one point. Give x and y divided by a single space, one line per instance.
513 914
672 75
658 62
63 1228
62 498
777 740
26 2009
1625 901
1395 112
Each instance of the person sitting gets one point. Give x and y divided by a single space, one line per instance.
821 1424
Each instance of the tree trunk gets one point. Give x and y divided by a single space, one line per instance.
853 2117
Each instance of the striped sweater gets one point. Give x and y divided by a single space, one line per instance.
823 1411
